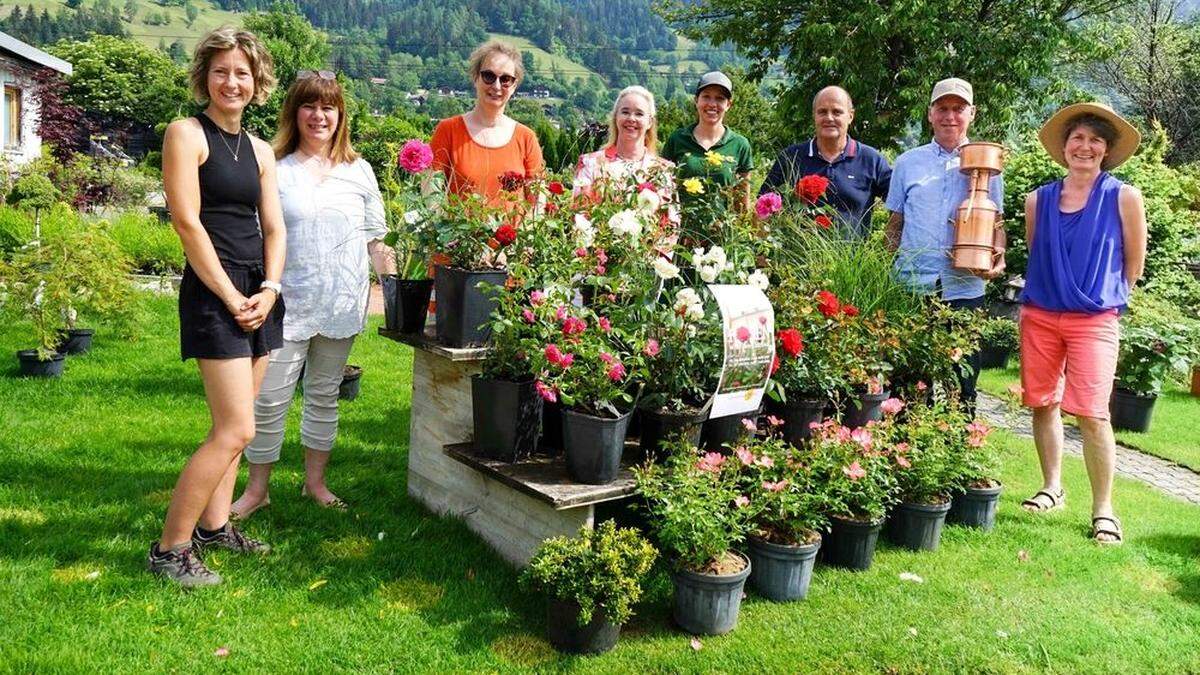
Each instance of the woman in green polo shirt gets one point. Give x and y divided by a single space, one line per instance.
688 146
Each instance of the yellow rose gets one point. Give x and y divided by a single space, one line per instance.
714 158
693 186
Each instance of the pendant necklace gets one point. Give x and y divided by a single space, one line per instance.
232 151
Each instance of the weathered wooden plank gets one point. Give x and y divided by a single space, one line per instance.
544 478
428 342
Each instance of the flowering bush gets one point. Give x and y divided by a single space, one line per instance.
999 333
474 235
926 451
1156 342
694 506
855 470
807 365
592 366
781 488
412 198
687 344
521 324
601 570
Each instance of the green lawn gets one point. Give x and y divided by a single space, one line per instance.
1174 430
88 462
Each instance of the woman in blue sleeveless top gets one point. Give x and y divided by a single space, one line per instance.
221 189
1087 248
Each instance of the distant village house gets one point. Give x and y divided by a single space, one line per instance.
19 139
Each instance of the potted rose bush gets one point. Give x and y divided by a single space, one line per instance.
977 488
698 516
1156 343
591 583
789 508
924 450
592 369
412 195
998 339
860 485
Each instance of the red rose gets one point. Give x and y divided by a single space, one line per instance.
824 221
828 303
555 187
790 340
774 364
511 181
506 234
811 188
849 310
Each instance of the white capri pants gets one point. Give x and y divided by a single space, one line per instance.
323 360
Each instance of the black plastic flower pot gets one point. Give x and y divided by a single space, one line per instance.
864 408
994 357
507 417
406 303
717 432
850 543
463 309
593 446
797 415
660 426
76 341
565 633
551 442
1131 411
781 572
975 508
33 366
917 527
351 383
708 604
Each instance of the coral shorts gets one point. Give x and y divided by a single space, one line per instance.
1069 358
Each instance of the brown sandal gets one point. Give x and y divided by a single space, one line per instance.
1118 537
1051 502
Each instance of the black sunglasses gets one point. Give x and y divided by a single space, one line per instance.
310 74
489 78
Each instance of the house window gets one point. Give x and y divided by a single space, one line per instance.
12 117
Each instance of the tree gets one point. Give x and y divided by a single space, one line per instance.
131 9
1152 61
294 45
123 79
192 12
889 54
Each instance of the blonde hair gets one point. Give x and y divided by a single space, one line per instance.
262 66
483 51
313 90
651 138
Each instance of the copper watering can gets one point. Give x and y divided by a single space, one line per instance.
976 222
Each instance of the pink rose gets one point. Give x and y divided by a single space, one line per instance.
750 425
774 421
605 324
581 252
744 455
536 298
560 313
573 325
764 461
774 487
553 354
711 462
607 358
862 437
854 471
741 501
545 391
528 315
415 156
768 205
567 360
616 372
892 406
651 348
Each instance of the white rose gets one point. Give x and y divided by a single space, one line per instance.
759 280
687 296
694 312
708 273
585 234
716 256
648 201
664 269
412 217
627 223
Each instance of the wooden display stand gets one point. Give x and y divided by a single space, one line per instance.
513 507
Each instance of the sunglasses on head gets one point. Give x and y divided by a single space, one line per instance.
310 74
489 78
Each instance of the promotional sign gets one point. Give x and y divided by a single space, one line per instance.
748 323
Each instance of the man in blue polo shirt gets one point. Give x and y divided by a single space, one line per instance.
926 191
857 173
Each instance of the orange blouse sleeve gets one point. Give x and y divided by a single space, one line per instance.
535 165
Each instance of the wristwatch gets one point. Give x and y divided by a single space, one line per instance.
272 285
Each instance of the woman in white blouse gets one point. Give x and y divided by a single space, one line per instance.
335 220
631 149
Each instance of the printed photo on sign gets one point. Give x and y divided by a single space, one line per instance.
748 326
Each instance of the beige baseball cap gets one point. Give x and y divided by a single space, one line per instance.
953 86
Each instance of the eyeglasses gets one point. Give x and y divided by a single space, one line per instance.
310 74
489 78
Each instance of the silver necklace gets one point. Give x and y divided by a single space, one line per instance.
232 151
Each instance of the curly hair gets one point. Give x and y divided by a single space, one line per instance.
262 67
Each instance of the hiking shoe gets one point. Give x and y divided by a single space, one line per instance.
231 538
182 566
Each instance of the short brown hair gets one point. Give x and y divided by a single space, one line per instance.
313 90
262 67
1099 126
483 51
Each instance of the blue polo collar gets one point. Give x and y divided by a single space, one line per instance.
849 152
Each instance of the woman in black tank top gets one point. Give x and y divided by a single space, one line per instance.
220 186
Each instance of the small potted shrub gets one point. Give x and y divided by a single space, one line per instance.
412 194
789 509
98 272
977 490
697 515
998 339
592 370
926 469
865 344
1156 343
37 294
591 583
860 485
351 383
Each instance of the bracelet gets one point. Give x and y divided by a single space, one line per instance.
272 286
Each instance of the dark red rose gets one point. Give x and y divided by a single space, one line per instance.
811 188
511 181
828 303
849 310
824 221
505 234
790 340
555 187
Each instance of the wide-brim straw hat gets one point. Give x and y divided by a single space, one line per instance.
1053 133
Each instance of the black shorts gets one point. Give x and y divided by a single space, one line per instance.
206 328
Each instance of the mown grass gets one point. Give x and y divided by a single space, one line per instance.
1174 432
88 463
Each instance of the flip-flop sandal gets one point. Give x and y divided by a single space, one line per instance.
235 515
1035 505
1114 531
336 503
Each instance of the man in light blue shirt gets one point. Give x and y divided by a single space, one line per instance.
924 195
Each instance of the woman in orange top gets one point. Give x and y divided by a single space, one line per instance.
476 148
